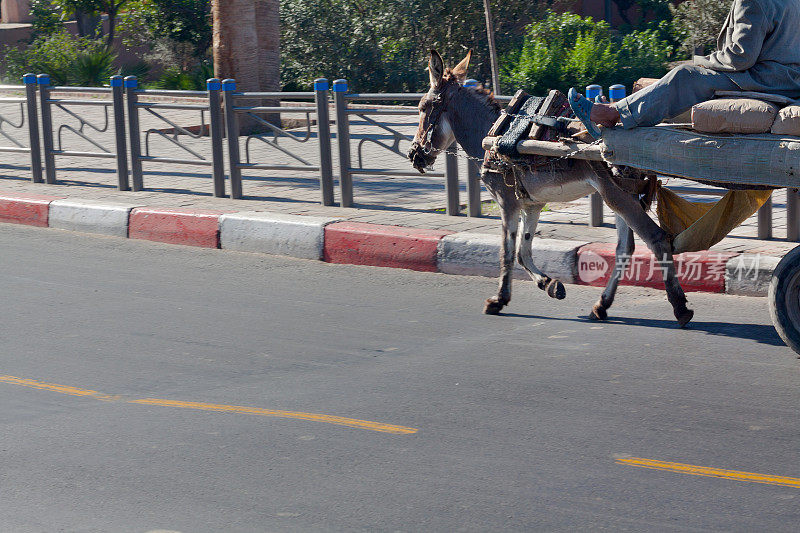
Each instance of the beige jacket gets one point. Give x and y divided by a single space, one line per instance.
759 46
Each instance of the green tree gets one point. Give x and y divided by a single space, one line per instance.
658 10
566 50
383 44
111 8
181 21
46 18
698 22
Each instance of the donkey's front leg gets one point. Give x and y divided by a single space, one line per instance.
530 218
510 214
622 259
656 239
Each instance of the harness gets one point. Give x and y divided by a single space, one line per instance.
440 104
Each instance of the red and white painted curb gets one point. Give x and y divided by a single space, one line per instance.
336 241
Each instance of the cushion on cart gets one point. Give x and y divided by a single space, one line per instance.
734 115
788 121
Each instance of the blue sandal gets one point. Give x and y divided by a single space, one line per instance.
582 108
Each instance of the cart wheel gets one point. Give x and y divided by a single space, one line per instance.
784 299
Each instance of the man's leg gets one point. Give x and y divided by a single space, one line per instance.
676 92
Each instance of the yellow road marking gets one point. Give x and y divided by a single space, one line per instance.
33 384
710 472
338 420
314 417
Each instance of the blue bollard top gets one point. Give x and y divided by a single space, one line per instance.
131 82
471 83
116 81
43 79
593 91
617 92
29 79
340 86
229 85
321 84
213 84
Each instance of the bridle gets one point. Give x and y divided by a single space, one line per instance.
440 101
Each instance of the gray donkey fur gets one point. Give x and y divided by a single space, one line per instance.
451 112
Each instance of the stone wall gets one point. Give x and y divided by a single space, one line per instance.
15 11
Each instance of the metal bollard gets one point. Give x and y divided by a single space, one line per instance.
33 127
324 140
343 141
593 91
451 180
595 200
765 220
473 189
232 133
132 99
214 87
117 92
47 129
792 215
616 92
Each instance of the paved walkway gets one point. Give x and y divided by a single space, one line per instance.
414 201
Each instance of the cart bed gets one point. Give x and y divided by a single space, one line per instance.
765 159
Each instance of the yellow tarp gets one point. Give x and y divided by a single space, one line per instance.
698 226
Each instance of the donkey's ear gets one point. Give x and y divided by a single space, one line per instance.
460 70
435 68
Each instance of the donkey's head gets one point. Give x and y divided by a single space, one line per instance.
435 132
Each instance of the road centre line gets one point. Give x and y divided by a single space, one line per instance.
63 389
706 471
314 417
349 422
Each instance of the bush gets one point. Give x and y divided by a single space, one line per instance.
46 19
383 45
698 22
179 79
67 59
566 50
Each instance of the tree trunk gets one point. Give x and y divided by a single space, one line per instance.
112 27
245 47
269 41
487 11
88 23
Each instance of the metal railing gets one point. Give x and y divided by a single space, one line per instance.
235 108
51 150
135 107
342 99
225 108
27 115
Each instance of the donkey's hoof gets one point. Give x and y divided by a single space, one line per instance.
492 306
598 313
555 289
684 317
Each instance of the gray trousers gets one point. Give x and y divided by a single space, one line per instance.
676 92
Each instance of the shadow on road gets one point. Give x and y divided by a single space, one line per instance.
762 333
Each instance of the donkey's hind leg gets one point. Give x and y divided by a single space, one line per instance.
622 259
530 218
509 212
656 239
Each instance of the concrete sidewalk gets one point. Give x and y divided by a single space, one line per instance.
404 202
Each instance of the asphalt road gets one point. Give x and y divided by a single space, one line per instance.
152 387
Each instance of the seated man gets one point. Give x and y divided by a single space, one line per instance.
758 50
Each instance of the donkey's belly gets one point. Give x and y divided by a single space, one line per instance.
555 192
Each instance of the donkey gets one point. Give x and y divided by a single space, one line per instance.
449 112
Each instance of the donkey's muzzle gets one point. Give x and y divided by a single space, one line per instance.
420 160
